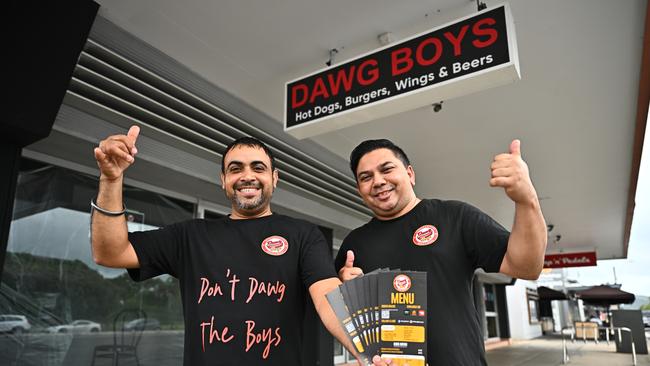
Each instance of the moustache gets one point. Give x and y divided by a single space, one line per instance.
242 185
383 188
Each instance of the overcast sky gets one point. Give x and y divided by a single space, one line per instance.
634 272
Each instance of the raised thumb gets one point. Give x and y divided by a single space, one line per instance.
515 147
349 260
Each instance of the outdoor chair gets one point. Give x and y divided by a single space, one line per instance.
125 340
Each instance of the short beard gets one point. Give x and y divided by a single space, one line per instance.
249 205
255 205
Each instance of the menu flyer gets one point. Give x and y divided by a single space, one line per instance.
384 313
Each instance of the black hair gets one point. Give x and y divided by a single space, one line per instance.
372 145
250 142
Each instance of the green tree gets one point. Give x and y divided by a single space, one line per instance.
75 291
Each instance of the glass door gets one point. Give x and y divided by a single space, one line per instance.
491 329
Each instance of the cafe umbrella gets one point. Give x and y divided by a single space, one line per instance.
546 295
605 296
549 294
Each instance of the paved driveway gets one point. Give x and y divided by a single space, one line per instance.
544 351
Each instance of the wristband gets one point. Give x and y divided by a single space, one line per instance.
94 206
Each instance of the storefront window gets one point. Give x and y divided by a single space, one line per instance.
339 355
533 306
57 307
491 328
490 298
210 215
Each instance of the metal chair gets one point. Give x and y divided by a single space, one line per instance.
125 339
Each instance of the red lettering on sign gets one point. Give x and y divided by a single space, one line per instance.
418 52
330 85
490 32
341 77
401 56
456 40
423 52
302 88
581 259
319 90
372 73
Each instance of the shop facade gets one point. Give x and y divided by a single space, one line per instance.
48 275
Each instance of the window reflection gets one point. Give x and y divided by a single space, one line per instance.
57 307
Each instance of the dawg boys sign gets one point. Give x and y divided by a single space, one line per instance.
468 55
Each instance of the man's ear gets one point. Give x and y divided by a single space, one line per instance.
411 174
223 181
276 177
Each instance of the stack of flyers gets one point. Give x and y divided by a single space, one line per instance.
384 313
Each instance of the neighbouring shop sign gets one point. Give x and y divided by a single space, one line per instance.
470 54
581 259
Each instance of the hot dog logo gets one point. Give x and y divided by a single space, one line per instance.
425 235
402 283
275 245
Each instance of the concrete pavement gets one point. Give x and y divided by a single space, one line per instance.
548 351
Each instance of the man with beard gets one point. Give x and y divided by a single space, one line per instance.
447 239
243 278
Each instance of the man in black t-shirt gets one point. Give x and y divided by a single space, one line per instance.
447 239
243 278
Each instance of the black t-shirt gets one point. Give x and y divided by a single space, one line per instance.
448 240
272 261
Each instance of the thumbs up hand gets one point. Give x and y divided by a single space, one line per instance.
116 153
349 271
510 171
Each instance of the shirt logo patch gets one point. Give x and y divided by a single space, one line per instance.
402 283
425 235
275 245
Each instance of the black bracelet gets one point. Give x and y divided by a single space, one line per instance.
93 206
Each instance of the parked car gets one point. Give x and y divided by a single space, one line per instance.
14 324
646 318
77 326
142 324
